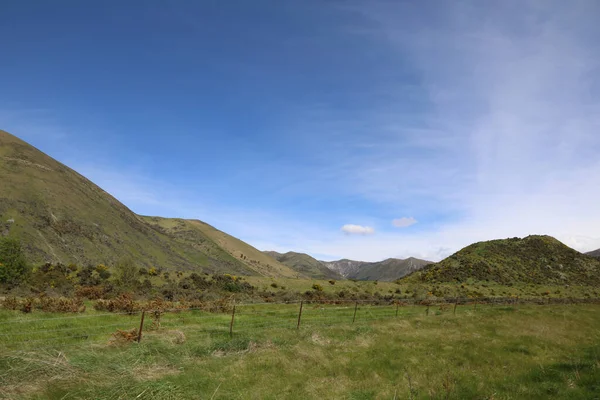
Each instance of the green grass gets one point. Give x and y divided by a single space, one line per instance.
529 352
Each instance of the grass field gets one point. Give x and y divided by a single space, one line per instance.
528 352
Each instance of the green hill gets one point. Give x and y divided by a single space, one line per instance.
305 265
60 216
532 260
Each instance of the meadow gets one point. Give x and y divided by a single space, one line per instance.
522 351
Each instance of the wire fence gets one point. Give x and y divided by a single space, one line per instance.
27 332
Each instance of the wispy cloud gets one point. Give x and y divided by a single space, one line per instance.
357 229
404 222
479 120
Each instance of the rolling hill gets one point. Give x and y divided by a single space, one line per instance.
60 216
305 264
533 260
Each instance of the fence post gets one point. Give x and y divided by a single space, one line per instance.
232 318
355 308
455 304
427 310
139 338
300 314
397 305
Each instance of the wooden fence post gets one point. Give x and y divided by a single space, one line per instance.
397 305
139 338
355 308
232 318
455 304
300 314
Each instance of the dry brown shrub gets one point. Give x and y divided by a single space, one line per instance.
125 336
124 303
60 304
27 305
90 292
10 303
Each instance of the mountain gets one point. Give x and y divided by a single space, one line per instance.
346 268
305 264
388 270
533 260
595 253
60 216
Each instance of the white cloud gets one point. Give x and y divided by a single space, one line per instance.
404 222
357 229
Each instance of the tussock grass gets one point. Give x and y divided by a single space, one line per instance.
529 352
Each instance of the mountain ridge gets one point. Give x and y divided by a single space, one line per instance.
61 216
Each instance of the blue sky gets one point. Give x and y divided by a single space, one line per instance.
363 130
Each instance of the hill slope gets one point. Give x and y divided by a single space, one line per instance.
61 216
346 268
533 260
305 265
594 253
388 270
209 240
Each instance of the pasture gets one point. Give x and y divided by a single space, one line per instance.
484 352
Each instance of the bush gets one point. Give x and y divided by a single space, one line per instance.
126 273
317 287
332 281
13 267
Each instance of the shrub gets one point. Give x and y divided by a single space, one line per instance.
90 292
125 336
13 267
124 303
317 287
332 281
126 273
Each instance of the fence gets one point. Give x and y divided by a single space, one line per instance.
31 332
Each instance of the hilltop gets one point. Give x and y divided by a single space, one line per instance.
533 260
60 216
305 264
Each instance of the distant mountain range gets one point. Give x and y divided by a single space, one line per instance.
60 216
595 253
305 264
387 270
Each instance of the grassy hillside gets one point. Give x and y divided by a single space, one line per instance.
305 265
213 242
388 270
60 216
532 260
